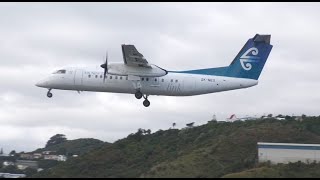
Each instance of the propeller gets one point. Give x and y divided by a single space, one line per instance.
105 67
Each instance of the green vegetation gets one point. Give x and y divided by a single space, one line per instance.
46 164
291 170
64 147
14 170
212 150
11 169
73 147
56 139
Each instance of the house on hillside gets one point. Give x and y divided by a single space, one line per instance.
298 118
55 157
37 156
26 156
22 164
8 175
50 157
62 158
48 152
8 163
190 125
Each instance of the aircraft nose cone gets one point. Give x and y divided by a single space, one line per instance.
38 84
41 84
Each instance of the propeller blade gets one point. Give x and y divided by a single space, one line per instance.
104 76
105 67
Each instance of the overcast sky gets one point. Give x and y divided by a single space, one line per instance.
37 38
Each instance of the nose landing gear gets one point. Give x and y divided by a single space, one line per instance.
49 94
146 103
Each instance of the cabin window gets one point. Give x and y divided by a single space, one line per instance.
89 76
96 76
176 80
147 79
120 77
116 77
110 77
100 76
155 79
162 80
142 79
127 78
171 80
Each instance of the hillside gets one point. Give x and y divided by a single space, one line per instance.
71 147
211 150
292 170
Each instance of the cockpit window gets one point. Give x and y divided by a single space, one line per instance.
61 71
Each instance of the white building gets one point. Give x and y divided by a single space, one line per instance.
22 164
288 152
8 163
51 157
55 157
62 158
8 175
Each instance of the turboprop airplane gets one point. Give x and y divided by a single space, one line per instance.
136 76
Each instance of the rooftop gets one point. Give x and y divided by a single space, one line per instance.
288 144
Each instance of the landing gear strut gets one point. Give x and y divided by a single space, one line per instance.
49 94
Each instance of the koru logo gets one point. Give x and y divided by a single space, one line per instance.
246 60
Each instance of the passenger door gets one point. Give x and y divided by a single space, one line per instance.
78 77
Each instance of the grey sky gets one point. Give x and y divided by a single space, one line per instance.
37 38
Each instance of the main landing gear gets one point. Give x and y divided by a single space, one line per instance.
139 95
49 94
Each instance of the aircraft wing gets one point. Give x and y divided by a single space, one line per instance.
132 57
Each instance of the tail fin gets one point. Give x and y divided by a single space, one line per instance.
251 59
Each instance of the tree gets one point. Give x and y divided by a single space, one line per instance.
62 151
56 139
173 125
13 152
288 117
29 171
303 116
148 131
270 115
140 132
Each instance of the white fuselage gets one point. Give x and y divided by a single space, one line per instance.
171 84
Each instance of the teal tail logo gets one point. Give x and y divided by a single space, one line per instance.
251 59
246 59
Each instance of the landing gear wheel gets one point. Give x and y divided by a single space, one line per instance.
146 103
138 95
49 94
